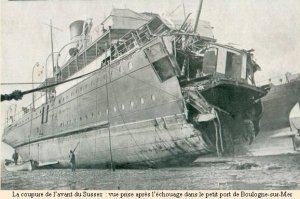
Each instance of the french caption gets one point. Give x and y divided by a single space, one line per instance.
153 194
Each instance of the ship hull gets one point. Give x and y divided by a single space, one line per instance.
279 141
132 110
277 105
168 141
124 115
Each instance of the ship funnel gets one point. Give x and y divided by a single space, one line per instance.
79 31
76 28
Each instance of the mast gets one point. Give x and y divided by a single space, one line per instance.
52 55
198 15
51 33
183 9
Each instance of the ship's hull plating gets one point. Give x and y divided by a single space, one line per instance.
168 141
135 119
131 113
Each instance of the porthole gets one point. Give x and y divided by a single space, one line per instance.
153 97
129 65
142 101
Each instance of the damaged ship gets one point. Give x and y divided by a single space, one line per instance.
146 92
279 101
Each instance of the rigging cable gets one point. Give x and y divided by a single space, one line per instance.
107 105
17 94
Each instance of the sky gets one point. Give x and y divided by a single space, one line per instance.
271 27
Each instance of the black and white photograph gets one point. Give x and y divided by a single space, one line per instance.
150 95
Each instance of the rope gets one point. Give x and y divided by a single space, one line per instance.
217 139
108 112
220 131
117 104
17 94
13 83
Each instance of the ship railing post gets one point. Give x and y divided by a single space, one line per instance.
138 36
135 39
150 32
126 48
130 42
116 49
77 67
84 59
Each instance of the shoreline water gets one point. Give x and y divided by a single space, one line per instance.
270 172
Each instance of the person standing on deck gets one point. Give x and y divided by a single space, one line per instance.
15 157
72 160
